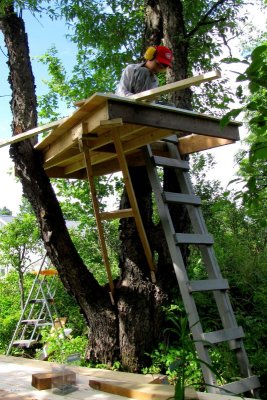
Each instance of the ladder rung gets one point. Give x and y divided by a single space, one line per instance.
223 335
32 321
208 285
24 343
41 301
193 238
170 139
241 386
171 163
125 213
181 198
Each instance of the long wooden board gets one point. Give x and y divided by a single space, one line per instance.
140 391
174 86
31 133
150 391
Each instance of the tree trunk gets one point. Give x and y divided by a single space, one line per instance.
91 297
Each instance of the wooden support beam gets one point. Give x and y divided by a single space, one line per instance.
100 229
179 85
124 213
194 143
133 202
31 133
172 118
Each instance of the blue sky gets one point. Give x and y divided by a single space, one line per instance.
42 34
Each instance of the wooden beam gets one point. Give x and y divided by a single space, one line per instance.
133 202
31 133
172 118
47 380
179 85
101 235
115 214
194 143
140 391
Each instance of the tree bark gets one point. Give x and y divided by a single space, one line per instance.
93 300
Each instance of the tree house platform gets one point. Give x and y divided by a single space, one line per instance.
137 123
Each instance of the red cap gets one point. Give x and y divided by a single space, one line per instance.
164 55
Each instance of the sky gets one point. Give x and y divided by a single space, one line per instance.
42 34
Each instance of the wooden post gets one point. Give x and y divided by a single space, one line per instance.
100 229
130 191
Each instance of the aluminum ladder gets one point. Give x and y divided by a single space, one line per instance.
39 310
230 333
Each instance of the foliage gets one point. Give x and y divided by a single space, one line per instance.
19 240
64 350
10 306
5 211
85 236
241 250
253 164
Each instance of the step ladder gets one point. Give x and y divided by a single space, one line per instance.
230 333
39 310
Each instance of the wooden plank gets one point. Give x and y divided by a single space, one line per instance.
140 391
208 285
175 86
224 335
181 198
98 112
31 133
194 143
124 213
100 228
133 202
171 162
243 385
194 238
47 380
173 119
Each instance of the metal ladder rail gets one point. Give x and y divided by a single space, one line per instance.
42 312
231 333
24 309
46 306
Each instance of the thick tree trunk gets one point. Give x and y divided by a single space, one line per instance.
162 19
93 300
139 302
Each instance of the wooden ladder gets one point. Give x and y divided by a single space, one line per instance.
123 213
230 333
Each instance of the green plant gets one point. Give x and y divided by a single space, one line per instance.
63 349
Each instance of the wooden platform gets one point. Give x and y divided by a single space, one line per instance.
137 123
16 378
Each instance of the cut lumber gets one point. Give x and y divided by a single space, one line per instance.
195 143
140 391
31 133
179 85
48 380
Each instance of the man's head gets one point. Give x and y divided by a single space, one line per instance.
159 58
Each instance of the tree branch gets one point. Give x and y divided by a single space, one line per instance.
204 20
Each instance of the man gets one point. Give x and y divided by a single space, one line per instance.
137 78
